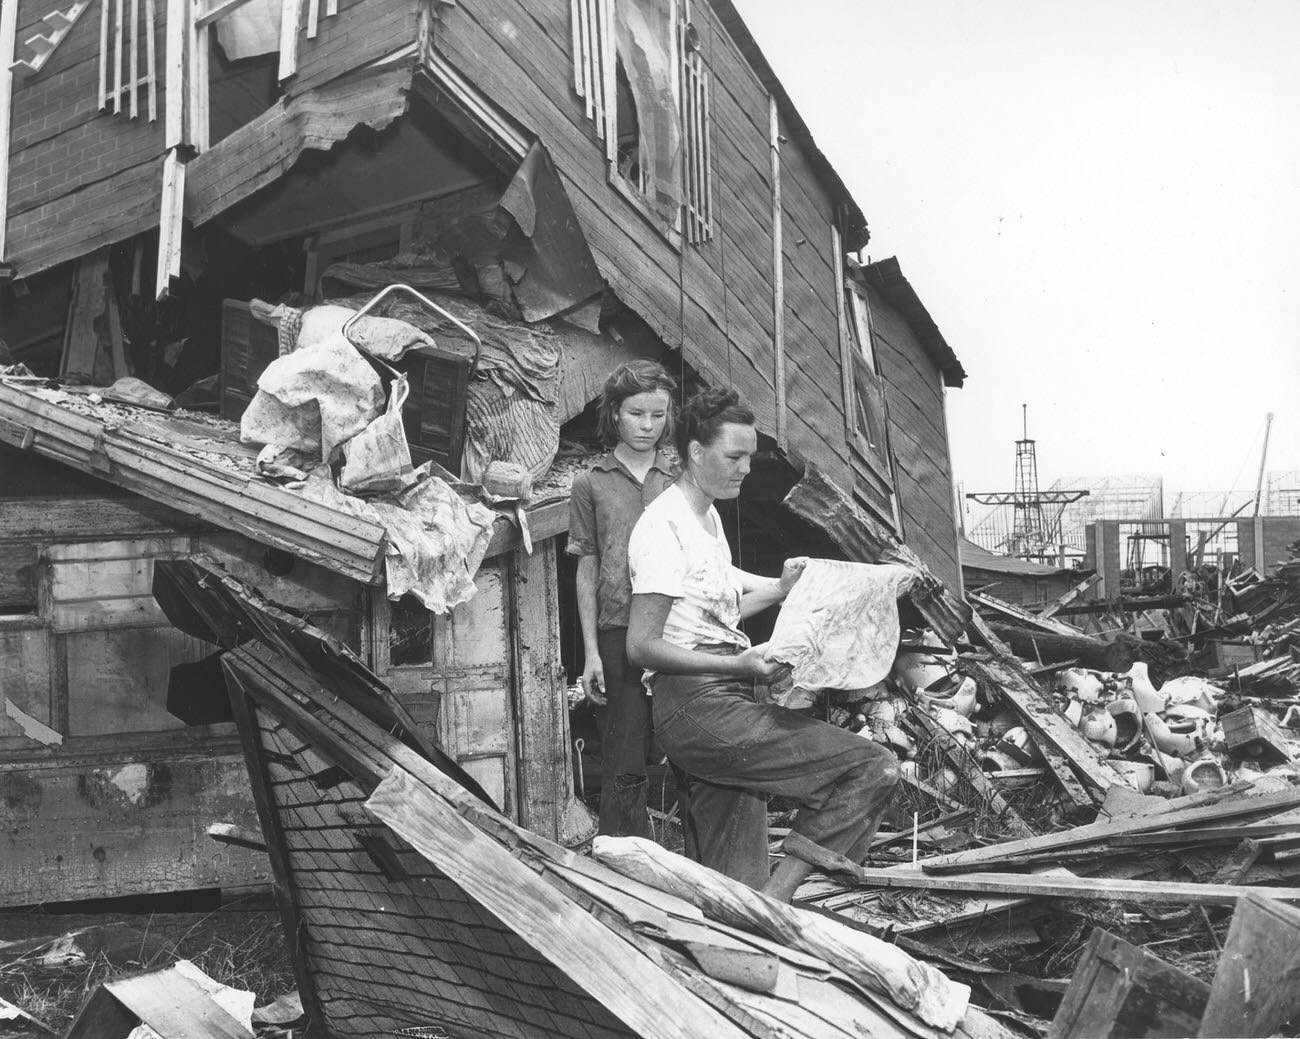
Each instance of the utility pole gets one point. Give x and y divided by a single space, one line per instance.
1263 456
1032 535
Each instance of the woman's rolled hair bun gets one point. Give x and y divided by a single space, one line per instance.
704 415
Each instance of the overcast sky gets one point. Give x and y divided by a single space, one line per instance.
1099 203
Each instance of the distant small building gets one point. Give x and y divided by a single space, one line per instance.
1017 581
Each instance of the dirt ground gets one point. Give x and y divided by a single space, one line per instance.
52 957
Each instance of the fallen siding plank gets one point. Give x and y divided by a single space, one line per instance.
1197 813
1048 725
264 149
818 501
1143 892
235 501
586 950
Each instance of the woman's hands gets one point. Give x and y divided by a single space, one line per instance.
791 572
753 663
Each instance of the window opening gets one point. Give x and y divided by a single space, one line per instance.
410 633
697 180
638 68
869 412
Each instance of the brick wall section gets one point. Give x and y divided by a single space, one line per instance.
60 140
81 175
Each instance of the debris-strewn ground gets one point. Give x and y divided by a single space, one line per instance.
50 962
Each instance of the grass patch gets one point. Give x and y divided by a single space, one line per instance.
239 943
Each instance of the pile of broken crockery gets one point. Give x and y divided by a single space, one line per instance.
1053 817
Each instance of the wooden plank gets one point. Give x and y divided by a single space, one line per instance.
877 966
270 825
1056 604
135 59
172 1003
1023 617
1095 888
1254 991
1047 725
290 19
103 55
542 711
613 972
817 500
170 222
174 55
1199 812
1120 990
778 276
66 519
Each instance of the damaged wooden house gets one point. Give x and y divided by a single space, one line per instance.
187 187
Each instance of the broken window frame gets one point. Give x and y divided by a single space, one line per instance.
596 69
866 407
697 131
191 27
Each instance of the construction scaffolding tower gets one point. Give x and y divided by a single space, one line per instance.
1036 515
1127 497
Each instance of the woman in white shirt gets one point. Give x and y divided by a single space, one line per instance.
729 750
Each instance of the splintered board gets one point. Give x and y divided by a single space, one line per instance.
387 941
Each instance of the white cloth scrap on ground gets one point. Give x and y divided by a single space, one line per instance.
839 626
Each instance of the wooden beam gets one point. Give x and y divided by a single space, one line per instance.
290 19
1022 616
1084 650
206 14
1048 726
1144 892
171 219
177 31
1051 608
8 40
778 271
151 56
817 500
619 975
135 58
1198 813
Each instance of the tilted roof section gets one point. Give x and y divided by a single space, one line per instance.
886 276
978 558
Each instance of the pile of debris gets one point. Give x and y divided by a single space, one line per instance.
1070 799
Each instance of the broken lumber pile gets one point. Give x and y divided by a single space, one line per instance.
415 904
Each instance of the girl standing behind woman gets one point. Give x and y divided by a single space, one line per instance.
687 603
635 419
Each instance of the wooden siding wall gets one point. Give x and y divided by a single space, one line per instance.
812 321
918 438
122 804
714 300
81 178
76 174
